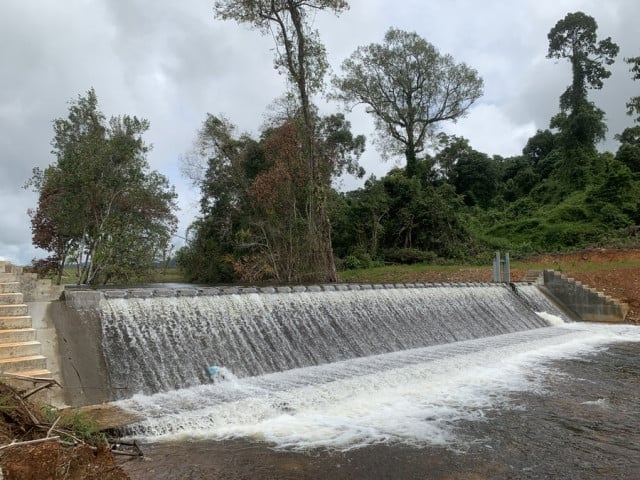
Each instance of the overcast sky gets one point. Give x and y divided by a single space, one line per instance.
172 62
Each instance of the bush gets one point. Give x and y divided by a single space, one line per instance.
351 262
408 256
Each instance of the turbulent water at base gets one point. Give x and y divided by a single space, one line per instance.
161 344
416 397
487 381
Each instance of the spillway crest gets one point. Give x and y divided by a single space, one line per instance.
164 343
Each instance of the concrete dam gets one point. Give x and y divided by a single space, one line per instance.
321 365
117 343
153 342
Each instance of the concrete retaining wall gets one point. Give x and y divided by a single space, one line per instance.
588 304
81 363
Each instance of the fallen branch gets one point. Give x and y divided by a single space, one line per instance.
115 448
37 389
48 382
29 442
53 425
30 379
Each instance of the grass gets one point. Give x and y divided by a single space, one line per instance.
169 275
409 273
398 272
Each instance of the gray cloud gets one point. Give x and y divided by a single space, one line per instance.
171 62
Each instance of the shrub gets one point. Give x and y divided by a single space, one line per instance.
408 256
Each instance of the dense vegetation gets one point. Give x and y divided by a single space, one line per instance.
454 203
268 208
100 207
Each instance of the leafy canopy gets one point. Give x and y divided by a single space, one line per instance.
99 204
409 87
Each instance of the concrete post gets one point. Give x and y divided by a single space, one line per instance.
507 268
496 268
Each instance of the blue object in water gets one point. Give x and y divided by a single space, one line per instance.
212 372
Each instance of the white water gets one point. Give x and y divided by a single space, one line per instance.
414 396
161 344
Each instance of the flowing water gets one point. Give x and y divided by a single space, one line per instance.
489 384
159 344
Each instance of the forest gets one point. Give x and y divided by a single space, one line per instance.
269 206
448 203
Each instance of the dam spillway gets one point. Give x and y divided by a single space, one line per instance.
160 343
335 367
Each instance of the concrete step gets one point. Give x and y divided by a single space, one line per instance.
23 364
20 349
532 276
14 322
11 298
8 277
17 335
13 310
10 287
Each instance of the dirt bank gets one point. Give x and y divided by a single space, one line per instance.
614 272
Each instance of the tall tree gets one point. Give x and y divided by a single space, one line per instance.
409 87
575 38
301 56
629 151
254 206
633 106
100 199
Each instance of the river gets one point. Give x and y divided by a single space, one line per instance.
560 402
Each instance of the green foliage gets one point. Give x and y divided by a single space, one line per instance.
256 219
408 256
78 425
633 106
409 87
302 57
99 205
265 201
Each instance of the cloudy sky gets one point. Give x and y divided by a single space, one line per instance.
172 62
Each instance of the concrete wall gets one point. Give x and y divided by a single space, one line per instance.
588 304
81 362
71 339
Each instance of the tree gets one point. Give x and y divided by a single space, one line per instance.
574 38
254 206
409 87
100 199
302 57
633 106
629 151
476 176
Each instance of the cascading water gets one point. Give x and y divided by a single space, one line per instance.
165 343
338 369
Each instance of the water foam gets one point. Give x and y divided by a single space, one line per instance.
414 397
165 343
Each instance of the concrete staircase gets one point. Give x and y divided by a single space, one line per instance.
533 276
19 349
